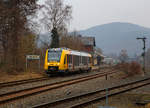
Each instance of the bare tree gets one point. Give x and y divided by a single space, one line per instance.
72 42
14 22
56 17
123 56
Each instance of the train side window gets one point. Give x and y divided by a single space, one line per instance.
88 59
79 59
69 59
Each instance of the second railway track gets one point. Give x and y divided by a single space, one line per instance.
85 99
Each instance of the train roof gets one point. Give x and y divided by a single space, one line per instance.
80 53
57 49
72 52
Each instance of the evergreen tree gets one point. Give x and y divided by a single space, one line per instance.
55 38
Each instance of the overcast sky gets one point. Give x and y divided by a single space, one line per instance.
88 13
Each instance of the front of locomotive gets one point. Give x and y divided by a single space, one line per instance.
52 60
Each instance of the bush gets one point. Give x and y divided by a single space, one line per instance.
130 69
135 68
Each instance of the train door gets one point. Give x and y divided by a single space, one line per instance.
69 62
65 62
73 62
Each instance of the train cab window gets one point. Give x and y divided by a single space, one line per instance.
54 56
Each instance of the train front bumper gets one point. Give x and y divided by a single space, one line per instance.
54 70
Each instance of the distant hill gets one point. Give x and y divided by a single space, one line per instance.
113 37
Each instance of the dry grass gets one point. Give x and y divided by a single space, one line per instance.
148 106
130 69
8 73
123 101
148 69
6 77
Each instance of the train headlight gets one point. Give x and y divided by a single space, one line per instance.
57 64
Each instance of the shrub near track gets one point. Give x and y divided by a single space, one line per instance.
130 69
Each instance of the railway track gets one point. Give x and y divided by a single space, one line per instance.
32 91
15 84
85 99
19 82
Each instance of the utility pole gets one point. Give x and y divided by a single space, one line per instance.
144 47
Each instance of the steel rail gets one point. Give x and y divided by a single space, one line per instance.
15 83
111 94
31 91
19 82
86 99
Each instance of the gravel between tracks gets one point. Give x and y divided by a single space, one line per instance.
75 89
40 83
126 100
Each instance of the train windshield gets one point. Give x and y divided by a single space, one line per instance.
54 56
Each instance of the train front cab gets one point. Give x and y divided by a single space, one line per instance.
55 61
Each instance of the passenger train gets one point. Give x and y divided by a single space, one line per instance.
64 60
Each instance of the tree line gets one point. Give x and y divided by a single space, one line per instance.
19 32
14 26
